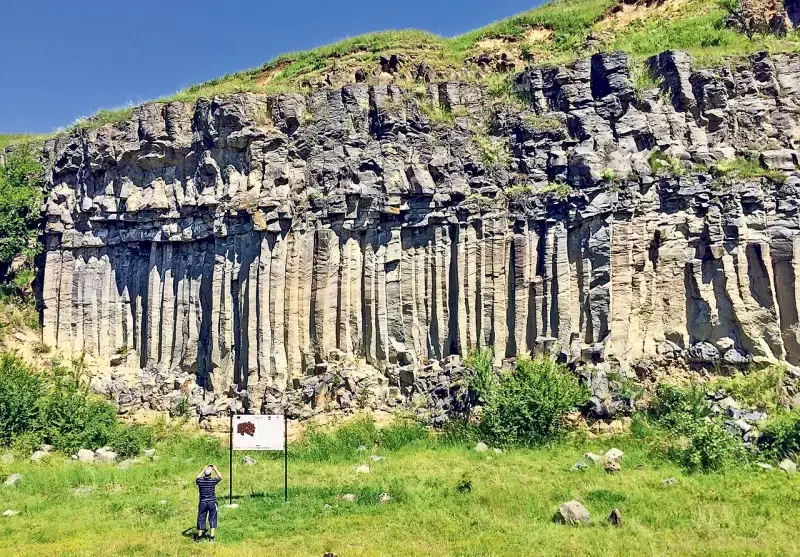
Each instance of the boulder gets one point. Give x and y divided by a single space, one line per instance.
363 469
595 458
86 456
481 447
615 518
572 512
384 498
105 454
84 490
12 480
9 513
614 454
149 452
38 455
579 466
669 481
349 497
788 466
703 353
613 466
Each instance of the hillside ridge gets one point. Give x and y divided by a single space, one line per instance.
555 33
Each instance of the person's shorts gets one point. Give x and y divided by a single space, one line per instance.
206 509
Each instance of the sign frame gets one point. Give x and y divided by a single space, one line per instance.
285 454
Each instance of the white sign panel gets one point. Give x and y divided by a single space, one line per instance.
258 433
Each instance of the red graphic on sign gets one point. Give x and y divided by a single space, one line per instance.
246 428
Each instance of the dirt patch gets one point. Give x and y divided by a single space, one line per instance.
538 35
625 13
268 75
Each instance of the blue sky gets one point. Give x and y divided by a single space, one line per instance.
63 59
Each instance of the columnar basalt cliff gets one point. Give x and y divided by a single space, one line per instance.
248 242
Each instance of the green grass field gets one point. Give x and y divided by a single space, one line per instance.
508 511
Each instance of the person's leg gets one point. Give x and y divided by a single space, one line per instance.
202 513
212 520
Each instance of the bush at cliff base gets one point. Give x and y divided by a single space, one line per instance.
781 436
528 405
55 406
698 441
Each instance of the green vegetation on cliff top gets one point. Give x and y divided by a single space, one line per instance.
557 32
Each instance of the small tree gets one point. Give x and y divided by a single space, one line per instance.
528 406
20 198
20 392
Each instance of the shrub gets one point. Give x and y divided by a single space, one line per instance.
781 435
129 441
706 446
757 389
20 393
698 442
20 198
673 406
483 380
529 404
56 407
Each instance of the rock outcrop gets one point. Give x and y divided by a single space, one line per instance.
236 246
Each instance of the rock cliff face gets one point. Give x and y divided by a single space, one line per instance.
250 240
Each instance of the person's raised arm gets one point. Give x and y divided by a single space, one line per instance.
201 474
217 471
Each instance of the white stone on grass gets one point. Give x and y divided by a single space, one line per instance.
595 458
86 456
614 454
573 512
9 513
788 466
105 454
363 469
12 480
481 447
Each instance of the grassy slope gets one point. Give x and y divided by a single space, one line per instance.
508 511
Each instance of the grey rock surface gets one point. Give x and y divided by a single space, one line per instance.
340 250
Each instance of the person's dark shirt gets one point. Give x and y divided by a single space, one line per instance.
207 487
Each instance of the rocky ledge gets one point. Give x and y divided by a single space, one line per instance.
345 247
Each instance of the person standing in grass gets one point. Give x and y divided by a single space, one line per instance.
207 507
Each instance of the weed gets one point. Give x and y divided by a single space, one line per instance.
562 190
746 168
661 163
757 389
542 122
437 113
609 175
494 152
40 348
